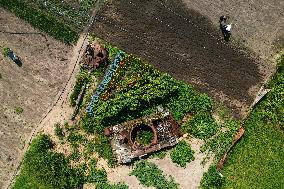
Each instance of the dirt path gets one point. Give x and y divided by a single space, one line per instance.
185 44
60 110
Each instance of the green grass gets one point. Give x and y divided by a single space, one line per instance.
19 110
42 168
150 175
182 154
257 161
46 169
41 20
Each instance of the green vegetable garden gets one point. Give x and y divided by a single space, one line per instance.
120 91
60 20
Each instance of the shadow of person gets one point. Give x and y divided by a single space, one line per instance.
18 62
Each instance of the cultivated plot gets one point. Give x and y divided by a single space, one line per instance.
184 44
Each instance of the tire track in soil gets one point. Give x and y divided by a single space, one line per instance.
184 44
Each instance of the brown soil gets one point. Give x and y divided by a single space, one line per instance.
185 44
259 25
32 87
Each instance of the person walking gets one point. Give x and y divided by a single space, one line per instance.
225 27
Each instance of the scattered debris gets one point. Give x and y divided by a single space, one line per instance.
166 132
93 56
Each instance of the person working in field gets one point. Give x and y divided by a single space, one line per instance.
225 27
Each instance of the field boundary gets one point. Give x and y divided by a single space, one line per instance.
77 49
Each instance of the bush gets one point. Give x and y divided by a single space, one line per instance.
212 179
144 137
19 110
182 154
201 126
59 131
42 168
5 51
80 81
188 100
150 175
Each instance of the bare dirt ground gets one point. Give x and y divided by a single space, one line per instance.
188 177
185 44
257 24
33 87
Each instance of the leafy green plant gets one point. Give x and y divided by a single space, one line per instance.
150 175
42 168
58 130
212 179
5 51
201 126
38 18
144 137
103 147
81 79
159 154
182 154
19 110
75 138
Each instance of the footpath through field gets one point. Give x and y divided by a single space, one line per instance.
184 44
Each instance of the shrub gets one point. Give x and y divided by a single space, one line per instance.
182 154
80 81
201 126
42 168
59 131
188 100
19 110
150 175
103 147
144 137
5 51
212 179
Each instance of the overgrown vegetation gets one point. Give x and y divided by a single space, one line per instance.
19 110
212 179
43 168
182 154
5 51
81 79
257 160
56 18
202 126
150 175
58 130
144 137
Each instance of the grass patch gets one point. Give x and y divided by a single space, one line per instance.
41 20
19 110
212 179
150 175
182 154
42 168
257 160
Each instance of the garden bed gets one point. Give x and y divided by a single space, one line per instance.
179 41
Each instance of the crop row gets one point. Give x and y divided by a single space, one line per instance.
41 20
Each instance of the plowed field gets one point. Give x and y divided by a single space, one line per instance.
185 44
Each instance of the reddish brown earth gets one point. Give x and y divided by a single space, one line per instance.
187 45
